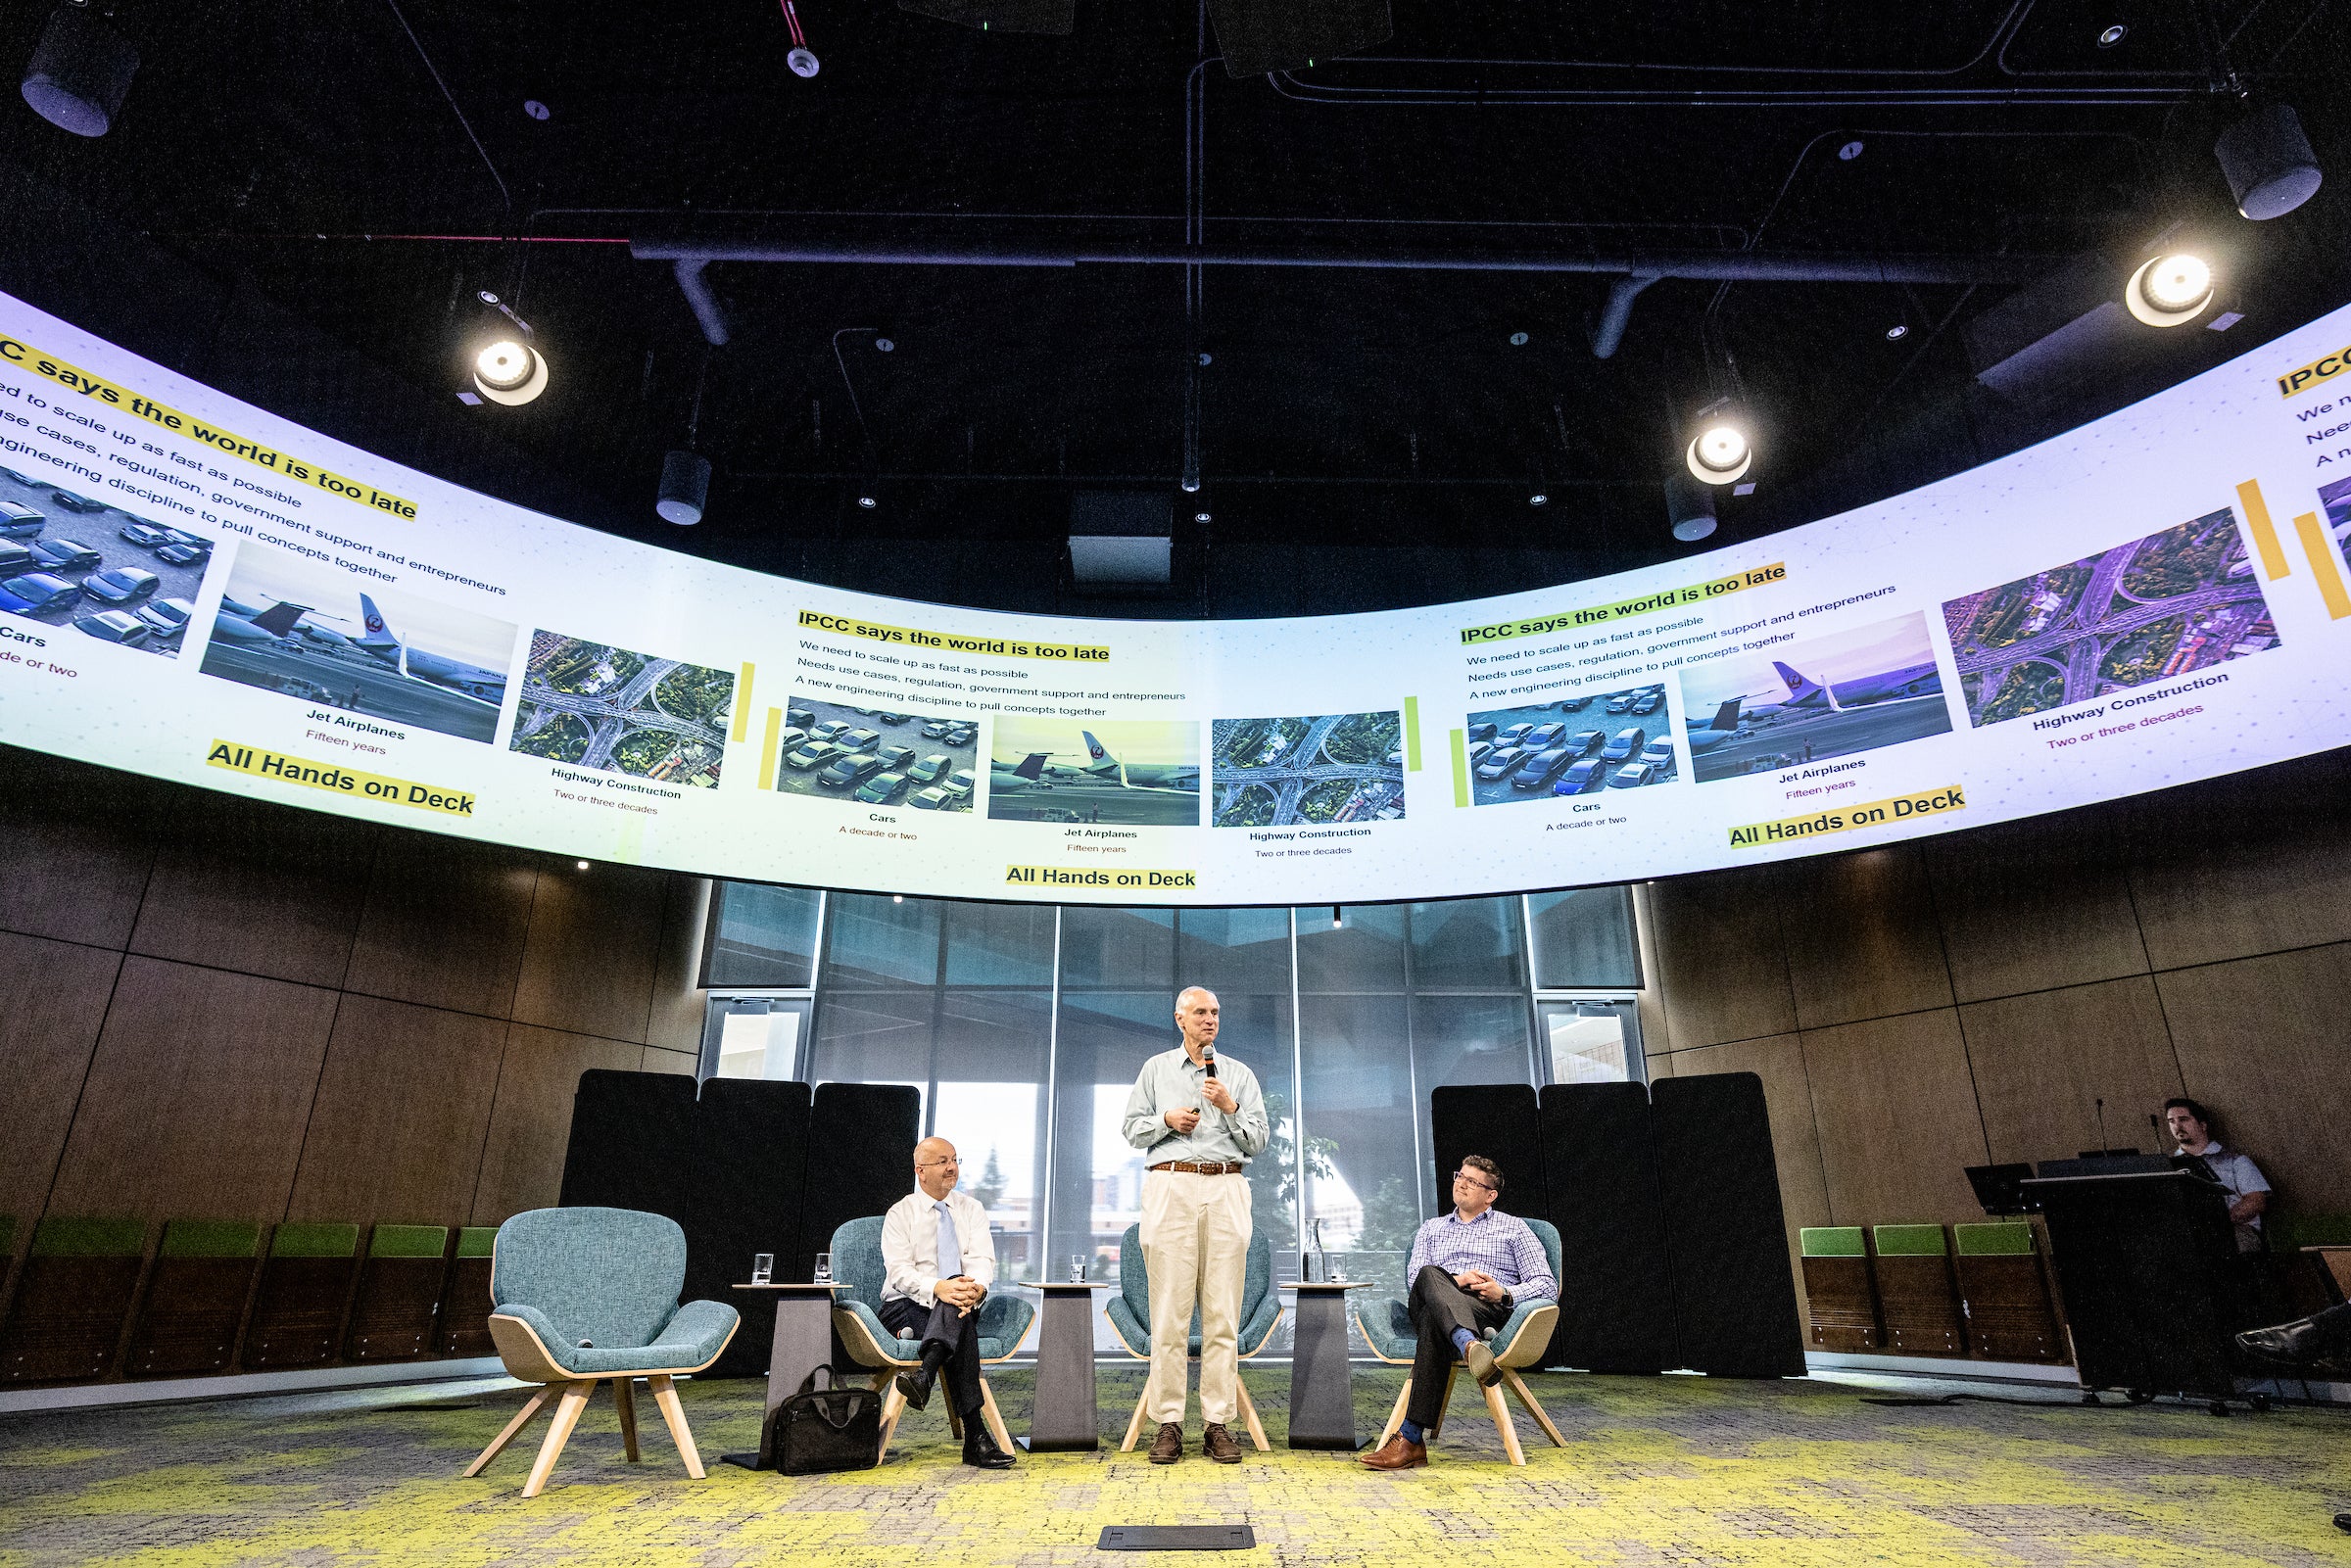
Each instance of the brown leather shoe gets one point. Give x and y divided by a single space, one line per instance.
1167 1446
1396 1455
1218 1444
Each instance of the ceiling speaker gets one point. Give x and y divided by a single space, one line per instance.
1258 37
1056 17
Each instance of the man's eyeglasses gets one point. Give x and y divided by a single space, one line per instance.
950 1160
1475 1180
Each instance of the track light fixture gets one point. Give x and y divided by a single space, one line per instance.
1335 920
684 488
1690 507
2169 291
1719 453
80 73
2267 160
507 369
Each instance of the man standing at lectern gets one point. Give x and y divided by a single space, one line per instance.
1198 1118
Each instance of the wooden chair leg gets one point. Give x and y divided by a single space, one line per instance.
665 1394
1257 1431
893 1406
995 1418
1134 1427
624 1401
1527 1397
558 1433
1403 1399
1503 1424
522 1417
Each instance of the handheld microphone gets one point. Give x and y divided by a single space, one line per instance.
1208 1054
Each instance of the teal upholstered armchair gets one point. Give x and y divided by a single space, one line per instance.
1005 1322
584 1296
1129 1313
1521 1339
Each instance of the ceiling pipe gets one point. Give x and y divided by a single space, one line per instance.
1792 267
703 302
1618 312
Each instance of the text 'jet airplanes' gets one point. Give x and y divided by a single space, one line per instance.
379 640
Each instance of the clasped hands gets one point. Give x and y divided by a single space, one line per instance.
1214 1093
963 1292
1480 1284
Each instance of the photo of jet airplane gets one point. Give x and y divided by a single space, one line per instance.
1101 767
1704 735
1830 695
1007 779
380 641
1094 781
1912 681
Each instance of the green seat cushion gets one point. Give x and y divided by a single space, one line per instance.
2314 1230
1834 1241
409 1240
1909 1241
8 1235
89 1238
310 1238
211 1237
2009 1240
477 1241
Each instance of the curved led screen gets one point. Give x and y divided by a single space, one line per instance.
196 590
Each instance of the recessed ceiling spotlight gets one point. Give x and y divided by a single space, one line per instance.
487 297
583 865
1517 340
897 898
534 108
1719 453
1896 332
2170 290
2113 35
1848 152
1191 484
885 345
1200 517
866 501
509 371
1538 499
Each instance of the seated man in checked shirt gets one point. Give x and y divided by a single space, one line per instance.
1471 1270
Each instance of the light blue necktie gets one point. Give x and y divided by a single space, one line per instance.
950 1251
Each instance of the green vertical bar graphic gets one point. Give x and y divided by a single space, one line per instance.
1411 735
1461 768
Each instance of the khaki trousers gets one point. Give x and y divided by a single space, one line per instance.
1195 1235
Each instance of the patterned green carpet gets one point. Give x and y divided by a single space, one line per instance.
1656 1471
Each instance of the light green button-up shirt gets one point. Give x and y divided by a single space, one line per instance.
1170 1081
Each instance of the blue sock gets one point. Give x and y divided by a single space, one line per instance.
1460 1340
1411 1431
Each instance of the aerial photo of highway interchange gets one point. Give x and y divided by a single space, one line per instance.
2156 607
1578 745
1827 695
1340 767
593 705
876 758
307 630
67 560
1133 773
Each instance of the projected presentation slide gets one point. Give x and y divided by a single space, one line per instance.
196 590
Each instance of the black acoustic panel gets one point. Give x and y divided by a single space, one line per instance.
632 1142
1497 1121
1056 17
861 1139
1734 1292
750 1177
1616 1273
1257 36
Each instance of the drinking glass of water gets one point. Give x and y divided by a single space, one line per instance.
763 1268
1077 1269
824 1268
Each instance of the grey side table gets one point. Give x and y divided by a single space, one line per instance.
803 1342
1063 1417
1321 1391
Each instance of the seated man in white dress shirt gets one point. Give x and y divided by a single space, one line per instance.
938 1260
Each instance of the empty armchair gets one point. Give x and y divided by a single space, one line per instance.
1129 1314
1521 1339
1005 1322
582 1296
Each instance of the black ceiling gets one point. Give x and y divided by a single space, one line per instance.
369 165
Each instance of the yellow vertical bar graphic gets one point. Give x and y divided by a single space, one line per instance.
743 704
767 748
1411 735
2265 531
1460 769
2320 550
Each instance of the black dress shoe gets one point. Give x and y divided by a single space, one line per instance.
2309 1345
979 1450
914 1384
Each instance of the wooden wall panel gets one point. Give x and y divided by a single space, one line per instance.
2042 1062
444 924
2246 865
1656 1020
530 1121
2261 1042
403 1106
1896 1109
657 1060
2035 905
679 1000
1862 937
588 964
1719 958
258 888
57 994
1794 1141
197 1096
75 859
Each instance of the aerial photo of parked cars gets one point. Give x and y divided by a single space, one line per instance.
1580 745
71 561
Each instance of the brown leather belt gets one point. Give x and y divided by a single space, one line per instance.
1232 1170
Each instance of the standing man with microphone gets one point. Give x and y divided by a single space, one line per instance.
1198 1120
